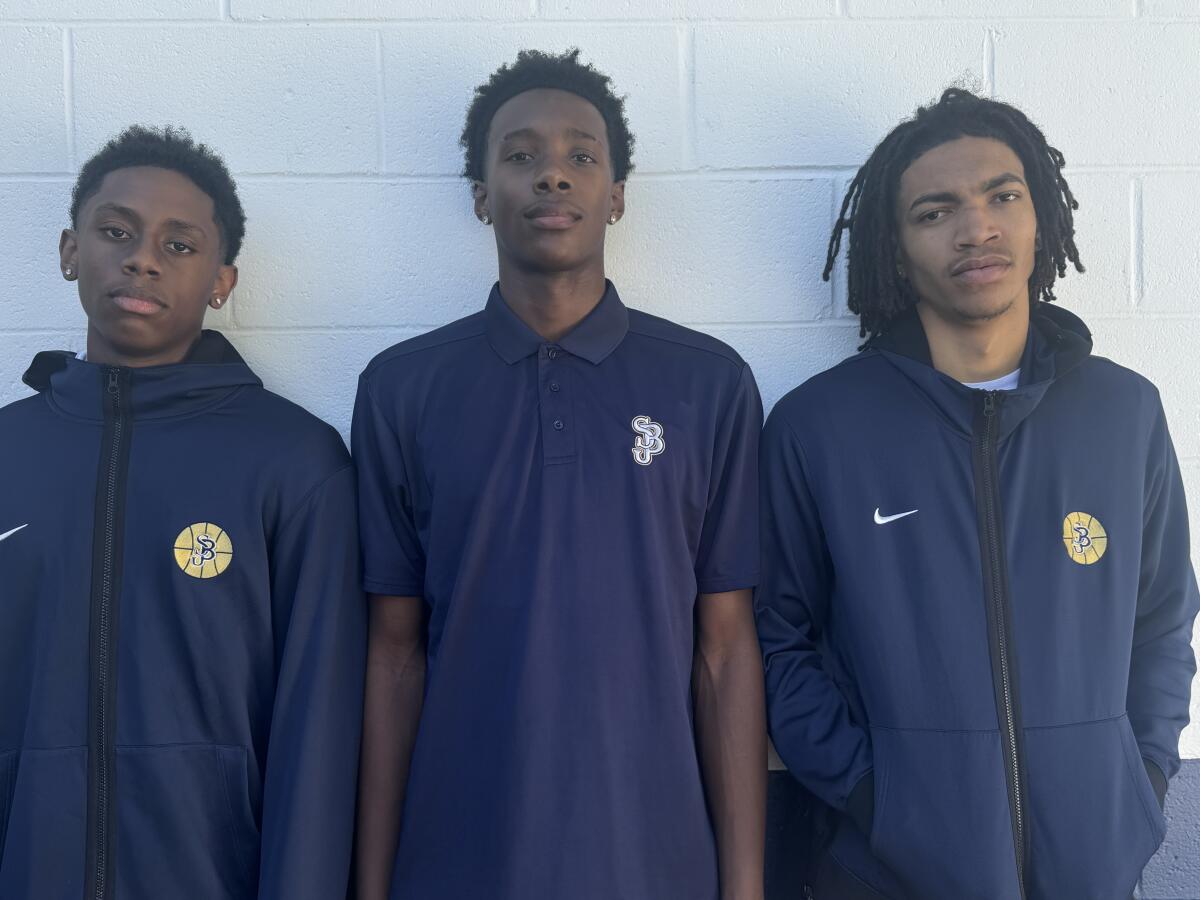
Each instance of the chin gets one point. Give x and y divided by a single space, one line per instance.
553 263
983 308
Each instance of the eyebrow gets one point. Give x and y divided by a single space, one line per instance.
950 197
530 133
119 210
180 225
173 224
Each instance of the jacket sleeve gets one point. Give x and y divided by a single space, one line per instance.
1163 662
320 652
808 717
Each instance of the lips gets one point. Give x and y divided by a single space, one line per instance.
552 216
136 301
981 269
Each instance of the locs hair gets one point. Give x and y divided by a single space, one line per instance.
876 291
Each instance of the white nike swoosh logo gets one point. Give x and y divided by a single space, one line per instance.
9 534
883 520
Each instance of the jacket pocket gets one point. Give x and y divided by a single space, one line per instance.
43 854
942 821
185 826
1096 821
8 769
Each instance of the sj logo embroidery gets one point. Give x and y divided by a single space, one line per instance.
649 441
1084 537
203 550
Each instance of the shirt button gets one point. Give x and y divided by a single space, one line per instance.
558 425
552 353
554 386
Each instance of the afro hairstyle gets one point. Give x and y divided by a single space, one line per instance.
532 70
168 148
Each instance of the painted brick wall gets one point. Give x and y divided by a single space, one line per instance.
341 117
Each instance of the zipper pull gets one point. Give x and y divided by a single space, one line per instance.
113 386
989 403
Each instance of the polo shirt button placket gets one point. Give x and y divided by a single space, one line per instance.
558 440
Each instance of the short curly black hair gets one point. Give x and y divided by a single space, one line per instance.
174 149
535 69
876 291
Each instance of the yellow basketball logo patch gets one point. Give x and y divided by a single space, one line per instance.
1084 537
203 550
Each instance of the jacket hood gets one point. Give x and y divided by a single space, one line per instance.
1057 342
209 373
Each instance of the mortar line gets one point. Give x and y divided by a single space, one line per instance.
224 10
69 94
380 104
989 62
1137 284
687 92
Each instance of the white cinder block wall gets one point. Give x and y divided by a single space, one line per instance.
341 118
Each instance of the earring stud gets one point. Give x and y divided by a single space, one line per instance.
68 271
612 220
485 219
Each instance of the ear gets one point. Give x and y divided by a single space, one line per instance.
479 192
226 281
616 200
68 254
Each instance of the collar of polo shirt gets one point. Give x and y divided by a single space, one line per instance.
594 338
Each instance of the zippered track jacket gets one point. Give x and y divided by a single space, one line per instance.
182 637
976 611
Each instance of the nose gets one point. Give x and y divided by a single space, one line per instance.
141 258
976 226
552 177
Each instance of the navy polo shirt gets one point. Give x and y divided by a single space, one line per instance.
559 506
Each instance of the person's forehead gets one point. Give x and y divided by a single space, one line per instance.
546 111
963 164
154 193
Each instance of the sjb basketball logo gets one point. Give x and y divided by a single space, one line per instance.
203 550
649 441
1084 537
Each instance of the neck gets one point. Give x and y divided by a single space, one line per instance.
974 351
551 303
102 353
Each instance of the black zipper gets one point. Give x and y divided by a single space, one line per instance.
999 621
108 540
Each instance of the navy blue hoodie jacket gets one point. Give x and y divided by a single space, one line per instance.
182 637
975 612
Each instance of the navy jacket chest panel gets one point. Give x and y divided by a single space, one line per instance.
915 581
1073 621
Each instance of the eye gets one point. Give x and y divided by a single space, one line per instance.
932 215
179 247
518 156
117 234
1008 196
582 157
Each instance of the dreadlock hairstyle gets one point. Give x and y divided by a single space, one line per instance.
534 69
174 149
876 291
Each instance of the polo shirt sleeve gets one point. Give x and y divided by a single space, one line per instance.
728 555
393 559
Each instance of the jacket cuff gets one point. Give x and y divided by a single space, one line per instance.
860 805
1158 781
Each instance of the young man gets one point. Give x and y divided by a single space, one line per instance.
182 634
559 517
976 602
